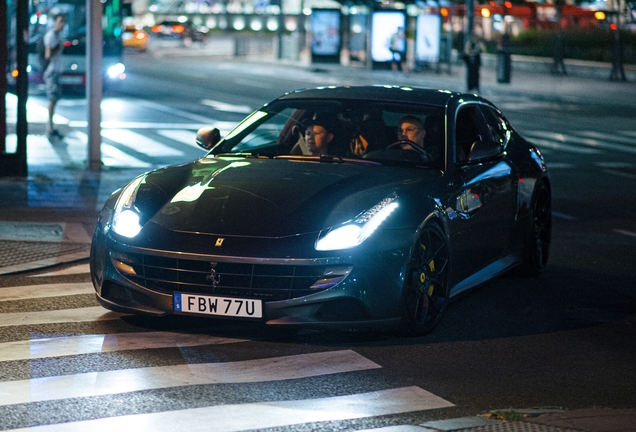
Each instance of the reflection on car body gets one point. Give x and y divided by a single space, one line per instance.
382 239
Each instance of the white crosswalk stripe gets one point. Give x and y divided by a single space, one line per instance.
234 418
555 145
92 344
561 139
96 313
67 388
183 136
140 142
130 380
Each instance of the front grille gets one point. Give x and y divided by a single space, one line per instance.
269 282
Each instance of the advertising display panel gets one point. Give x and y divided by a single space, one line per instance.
427 38
384 25
325 34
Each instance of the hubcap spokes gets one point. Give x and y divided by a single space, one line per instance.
429 278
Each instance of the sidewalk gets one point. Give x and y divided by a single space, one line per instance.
48 218
532 420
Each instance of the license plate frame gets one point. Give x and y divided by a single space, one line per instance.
200 304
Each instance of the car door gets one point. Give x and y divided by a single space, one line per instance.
484 198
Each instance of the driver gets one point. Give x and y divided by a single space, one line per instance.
411 128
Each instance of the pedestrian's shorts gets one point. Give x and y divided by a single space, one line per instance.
397 56
52 82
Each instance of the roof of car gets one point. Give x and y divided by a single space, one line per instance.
380 93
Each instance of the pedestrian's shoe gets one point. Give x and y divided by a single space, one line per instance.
54 135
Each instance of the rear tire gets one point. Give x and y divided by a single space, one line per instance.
427 282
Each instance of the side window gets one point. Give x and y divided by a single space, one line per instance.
470 127
499 127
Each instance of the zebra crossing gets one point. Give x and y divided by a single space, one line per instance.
58 375
156 145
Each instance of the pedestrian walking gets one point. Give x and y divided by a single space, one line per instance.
397 46
53 46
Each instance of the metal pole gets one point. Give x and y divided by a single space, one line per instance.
19 167
3 79
470 19
94 37
368 60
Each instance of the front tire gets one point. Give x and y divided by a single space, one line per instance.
427 282
539 237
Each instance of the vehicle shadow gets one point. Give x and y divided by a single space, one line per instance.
559 300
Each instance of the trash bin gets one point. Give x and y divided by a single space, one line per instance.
503 66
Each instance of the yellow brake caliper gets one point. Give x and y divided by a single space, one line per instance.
431 266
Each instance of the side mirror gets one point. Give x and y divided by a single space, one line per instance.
208 137
484 150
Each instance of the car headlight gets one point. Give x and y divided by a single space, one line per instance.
126 217
355 232
116 70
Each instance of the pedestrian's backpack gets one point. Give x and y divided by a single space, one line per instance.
41 48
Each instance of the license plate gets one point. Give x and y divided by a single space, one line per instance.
71 79
220 306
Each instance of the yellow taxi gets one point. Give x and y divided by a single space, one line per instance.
135 38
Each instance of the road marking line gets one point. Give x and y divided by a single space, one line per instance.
140 143
563 216
35 112
564 138
44 291
562 147
138 125
101 343
620 173
96 313
78 269
148 378
558 165
604 136
625 232
222 106
252 416
174 111
255 83
113 157
183 136
614 164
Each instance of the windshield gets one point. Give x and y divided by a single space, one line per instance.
337 130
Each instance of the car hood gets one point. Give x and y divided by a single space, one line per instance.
267 197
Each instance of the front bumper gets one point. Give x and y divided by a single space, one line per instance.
360 289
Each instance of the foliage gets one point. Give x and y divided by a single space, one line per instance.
580 44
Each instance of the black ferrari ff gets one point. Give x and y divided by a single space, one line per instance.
374 231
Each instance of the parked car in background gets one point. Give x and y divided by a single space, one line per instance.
134 37
384 234
186 32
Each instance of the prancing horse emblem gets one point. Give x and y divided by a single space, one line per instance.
212 277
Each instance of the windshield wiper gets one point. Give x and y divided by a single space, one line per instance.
242 155
327 158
